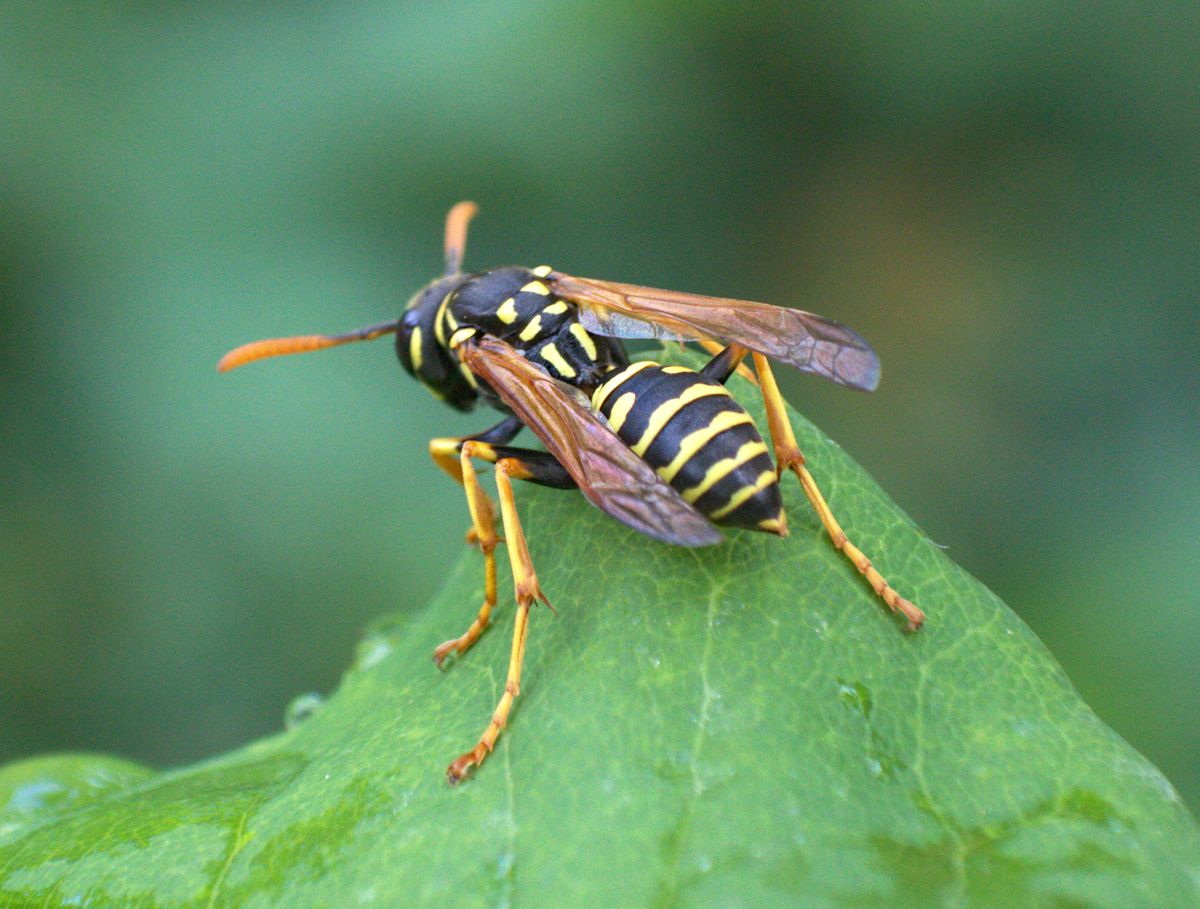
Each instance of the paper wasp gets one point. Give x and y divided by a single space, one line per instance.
666 450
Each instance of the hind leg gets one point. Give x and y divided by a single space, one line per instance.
788 457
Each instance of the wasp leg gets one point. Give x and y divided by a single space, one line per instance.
738 353
722 366
446 453
528 465
483 526
527 590
534 466
788 457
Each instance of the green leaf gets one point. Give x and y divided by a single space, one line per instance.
737 726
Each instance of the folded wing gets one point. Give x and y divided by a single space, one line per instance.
806 341
609 474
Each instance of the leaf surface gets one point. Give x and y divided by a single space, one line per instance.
737 726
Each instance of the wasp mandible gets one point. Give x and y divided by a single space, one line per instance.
664 449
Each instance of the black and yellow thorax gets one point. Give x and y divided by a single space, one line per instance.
690 429
511 303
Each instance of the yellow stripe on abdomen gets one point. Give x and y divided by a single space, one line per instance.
723 468
600 395
620 410
663 413
765 479
694 441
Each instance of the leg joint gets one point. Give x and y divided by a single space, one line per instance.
473 448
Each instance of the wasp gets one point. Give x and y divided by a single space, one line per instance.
664 449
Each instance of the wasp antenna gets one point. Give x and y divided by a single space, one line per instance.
277 347
456 235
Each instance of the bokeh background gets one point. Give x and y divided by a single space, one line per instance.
1002 197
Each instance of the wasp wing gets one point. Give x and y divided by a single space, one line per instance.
808 342
609 474
612 324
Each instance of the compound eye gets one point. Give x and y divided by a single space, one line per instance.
408 332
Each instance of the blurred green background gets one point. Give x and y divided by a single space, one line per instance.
1002 197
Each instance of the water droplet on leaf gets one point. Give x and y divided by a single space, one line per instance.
301 708
856 696
371 651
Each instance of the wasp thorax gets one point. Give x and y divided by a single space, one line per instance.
518 306
513 303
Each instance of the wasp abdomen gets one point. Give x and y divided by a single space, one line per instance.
698 438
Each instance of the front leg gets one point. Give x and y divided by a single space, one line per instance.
527 591
523 464
483 527
446 453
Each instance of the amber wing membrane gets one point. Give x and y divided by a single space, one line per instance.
611 476
808 342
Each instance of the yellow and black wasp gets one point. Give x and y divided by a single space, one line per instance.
664 449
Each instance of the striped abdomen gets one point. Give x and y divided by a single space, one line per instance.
698 438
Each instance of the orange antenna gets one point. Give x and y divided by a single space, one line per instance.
277 347
456 235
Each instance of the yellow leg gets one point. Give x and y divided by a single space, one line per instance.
527 590
483 531
788 456
445 455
